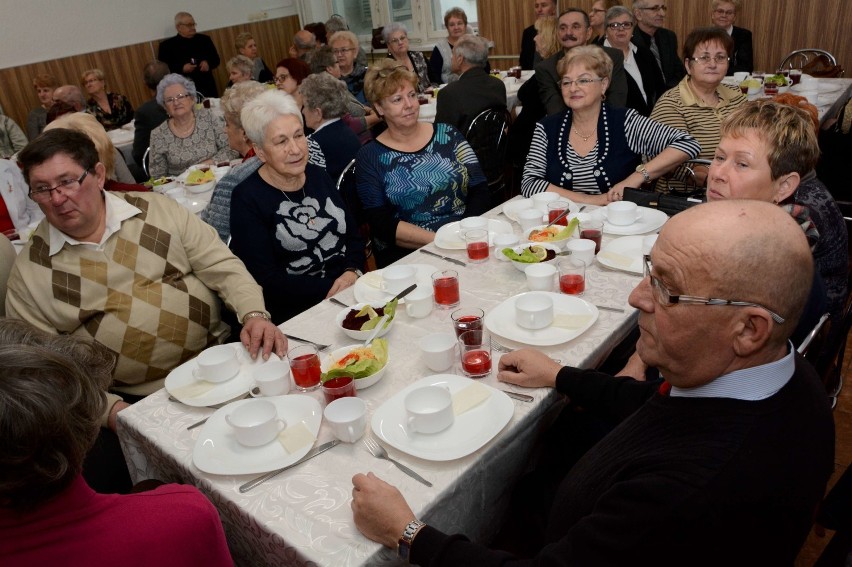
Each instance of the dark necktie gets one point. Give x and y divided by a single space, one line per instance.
656 51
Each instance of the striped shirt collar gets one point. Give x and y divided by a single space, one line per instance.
117 211
749 384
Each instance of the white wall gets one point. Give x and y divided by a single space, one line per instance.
39 30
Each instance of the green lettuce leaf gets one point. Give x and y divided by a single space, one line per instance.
525 256
362 367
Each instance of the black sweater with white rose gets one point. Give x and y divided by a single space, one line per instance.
295 244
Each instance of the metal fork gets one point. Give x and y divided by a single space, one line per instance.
379 452
319 346
504 349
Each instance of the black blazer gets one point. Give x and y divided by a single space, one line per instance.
475 91
528 52
743 59
339 145
670 62
652 82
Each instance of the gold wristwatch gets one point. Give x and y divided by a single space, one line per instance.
644 171
403 546
253 314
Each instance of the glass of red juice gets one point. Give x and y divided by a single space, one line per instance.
445 284
467 320
592 230
476 241
555 209
305 367
475 351
572 276
342 386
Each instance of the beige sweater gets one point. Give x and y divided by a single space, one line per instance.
149 293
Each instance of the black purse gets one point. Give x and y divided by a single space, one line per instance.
668 203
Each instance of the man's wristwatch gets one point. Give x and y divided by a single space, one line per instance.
253 314
644 171
357 272
403 546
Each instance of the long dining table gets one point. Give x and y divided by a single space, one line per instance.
303 516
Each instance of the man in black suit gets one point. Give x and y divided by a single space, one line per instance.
574 29
529 56
475 91
649 32
191 54
147 116
723 14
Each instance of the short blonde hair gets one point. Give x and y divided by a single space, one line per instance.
241 63
546 28
346 36
242 39
592 56
89 125
385 78
715 4
236 97
787 131
99 75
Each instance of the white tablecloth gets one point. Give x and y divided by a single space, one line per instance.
303 516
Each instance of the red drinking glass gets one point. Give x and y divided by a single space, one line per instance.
446 286
475 351
305 367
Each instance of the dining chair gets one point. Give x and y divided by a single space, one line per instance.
488 136
686 175
346 188
7 258
145 162
820 63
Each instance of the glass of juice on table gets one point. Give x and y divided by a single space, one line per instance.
555 209
305 367
477 245
475 351
572 276
445 283
467 320
342 386
592 230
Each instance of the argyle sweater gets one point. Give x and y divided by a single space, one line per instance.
149 294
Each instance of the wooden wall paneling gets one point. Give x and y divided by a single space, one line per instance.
123 65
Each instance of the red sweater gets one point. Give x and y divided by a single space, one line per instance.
173 525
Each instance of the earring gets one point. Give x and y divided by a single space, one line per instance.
603 97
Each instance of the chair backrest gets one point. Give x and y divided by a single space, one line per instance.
346 188
7 258
816 62
684 180
488 137
820 330
145 161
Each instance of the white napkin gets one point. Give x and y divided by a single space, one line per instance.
469 397
571 321
296 437
193 390
618 259
373 279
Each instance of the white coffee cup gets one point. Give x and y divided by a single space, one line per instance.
740 76
472 223
529 218
622 213
581 249
347 418
418 303
540 200
540 276
397 278
217 364
255 422
504 240
534 311
428 409
439 351
272 378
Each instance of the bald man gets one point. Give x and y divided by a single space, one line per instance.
726 464
70 95
303 43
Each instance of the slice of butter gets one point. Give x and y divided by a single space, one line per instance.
193 390
470 397
617 259
373 279
571 321
296 437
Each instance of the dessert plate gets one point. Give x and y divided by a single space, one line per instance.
623 254
449 237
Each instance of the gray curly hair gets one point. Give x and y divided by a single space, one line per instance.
174 79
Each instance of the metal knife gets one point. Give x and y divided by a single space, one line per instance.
448 259
517 396
337 301
608 308
311 454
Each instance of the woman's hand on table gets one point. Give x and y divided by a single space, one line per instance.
346 279
379 509
528 368
261 334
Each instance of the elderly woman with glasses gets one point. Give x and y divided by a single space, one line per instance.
700 102
645 83
289 74
344 45
288 221
417 176
112 110
590 152
189 136
396 37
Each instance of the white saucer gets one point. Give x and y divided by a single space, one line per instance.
368 288
501 321
217 450
449 237
648 221
182 376
624 254
469 432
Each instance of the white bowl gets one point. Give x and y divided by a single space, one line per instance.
560 242
361 335
360 383
521 266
